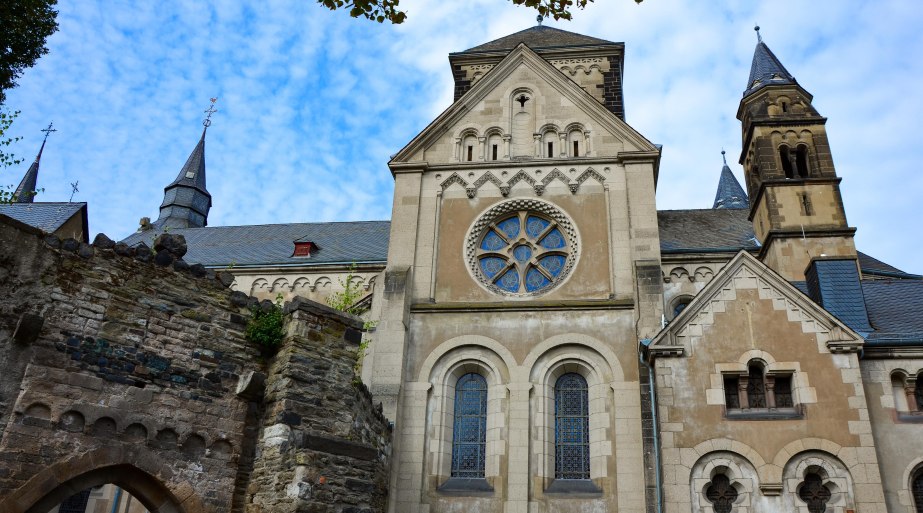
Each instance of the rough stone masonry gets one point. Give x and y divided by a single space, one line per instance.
128 366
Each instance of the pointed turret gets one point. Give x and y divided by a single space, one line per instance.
730 194
25 193
766 69
186 201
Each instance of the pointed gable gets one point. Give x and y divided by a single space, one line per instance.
745 273
482 109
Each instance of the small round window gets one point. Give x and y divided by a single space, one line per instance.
521 248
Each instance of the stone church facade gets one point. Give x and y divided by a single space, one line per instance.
545 340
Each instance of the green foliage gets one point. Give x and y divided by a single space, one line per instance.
363 349
352 293
7 159
265 328
26 24
387 10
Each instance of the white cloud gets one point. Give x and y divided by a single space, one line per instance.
312 102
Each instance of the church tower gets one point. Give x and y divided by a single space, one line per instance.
795 202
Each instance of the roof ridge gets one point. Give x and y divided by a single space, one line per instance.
510 41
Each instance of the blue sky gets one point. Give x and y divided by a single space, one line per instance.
312 103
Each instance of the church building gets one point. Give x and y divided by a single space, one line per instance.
546 340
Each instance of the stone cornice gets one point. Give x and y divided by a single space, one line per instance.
521 306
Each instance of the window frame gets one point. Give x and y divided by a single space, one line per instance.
770 379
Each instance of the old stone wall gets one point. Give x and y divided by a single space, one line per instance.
131 367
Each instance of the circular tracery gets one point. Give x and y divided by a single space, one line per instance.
521 248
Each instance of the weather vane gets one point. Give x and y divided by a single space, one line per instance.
759 38
74 190
723 157
539 20
48 131
209 111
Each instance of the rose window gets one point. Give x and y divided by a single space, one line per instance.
522 251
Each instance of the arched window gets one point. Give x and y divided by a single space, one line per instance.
917 491
469 432
756 387
759 390
788 161
571 428
918 393
801 159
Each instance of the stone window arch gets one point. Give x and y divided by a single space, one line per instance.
576 141
678 304
788 159
817 482
908 395
550 141
722 482
801 161
495 148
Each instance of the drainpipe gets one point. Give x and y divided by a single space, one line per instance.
117 500
653 391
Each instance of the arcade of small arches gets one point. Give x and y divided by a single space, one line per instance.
549 141
304 283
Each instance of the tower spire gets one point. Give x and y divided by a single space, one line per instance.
766 69
730 194
186 200
25 192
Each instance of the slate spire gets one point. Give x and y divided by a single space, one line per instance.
186 201
25 192
766 69
730 194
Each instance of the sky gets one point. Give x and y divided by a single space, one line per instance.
312 103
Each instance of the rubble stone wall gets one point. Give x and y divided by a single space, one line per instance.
128 366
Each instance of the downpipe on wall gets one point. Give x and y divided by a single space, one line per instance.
645 343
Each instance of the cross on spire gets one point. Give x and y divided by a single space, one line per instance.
759 37
47 132
723 157
209 111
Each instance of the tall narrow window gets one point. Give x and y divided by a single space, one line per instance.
783 392
576 148
494 152
470 153
801 159
787 162
571 428
917 492
732 392
469 432
550 149
756 388
918 394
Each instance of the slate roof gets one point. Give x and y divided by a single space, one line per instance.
683 231
730 194
834 284
273 244
766 69
895 307
46 216
539 37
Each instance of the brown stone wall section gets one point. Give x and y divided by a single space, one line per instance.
124 366
323 449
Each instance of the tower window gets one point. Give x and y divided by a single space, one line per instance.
469 432
576 149
470 153
550 149
493 152
801 160
571 428
788 162
807 208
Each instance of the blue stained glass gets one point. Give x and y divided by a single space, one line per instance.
554 240
571 428
535 280
510 227
490 266
535 226
522 253
509 281
553 264
469 434
492 241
